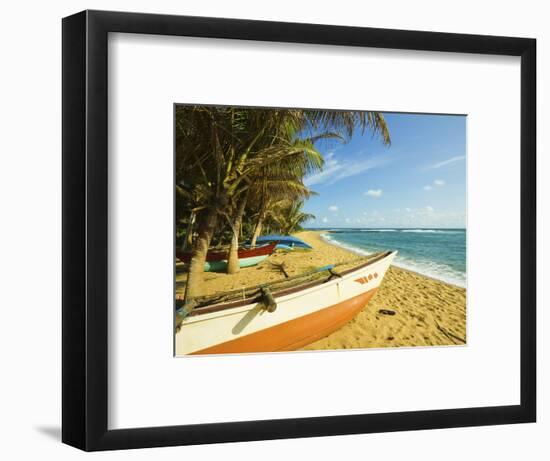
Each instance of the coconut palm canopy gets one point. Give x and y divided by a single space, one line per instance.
240 170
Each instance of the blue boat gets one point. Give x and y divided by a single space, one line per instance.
285 241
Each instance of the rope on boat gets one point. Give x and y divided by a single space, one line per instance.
258 290
268 299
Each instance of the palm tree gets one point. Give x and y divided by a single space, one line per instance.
272 187
293 187
275 180
287 216
223 148
212 145
281 159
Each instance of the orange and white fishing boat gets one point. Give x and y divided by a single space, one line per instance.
282 318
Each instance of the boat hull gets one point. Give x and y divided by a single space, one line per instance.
294 334
218 266
303 315
217 260
284 241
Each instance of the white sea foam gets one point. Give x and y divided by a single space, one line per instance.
428 268
417 231
421 231
327 238
379 230
432 231
433 270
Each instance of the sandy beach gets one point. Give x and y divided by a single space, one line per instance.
409 309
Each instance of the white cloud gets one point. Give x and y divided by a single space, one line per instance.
325 220
408 210
429 208
437 182
376 193
335 170
333 208
458 158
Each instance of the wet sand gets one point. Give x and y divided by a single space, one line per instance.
426 312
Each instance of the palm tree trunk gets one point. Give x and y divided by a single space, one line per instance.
207 221
233 257
257 230
188 239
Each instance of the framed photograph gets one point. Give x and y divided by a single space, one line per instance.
279 230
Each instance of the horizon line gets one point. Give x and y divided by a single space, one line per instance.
383 227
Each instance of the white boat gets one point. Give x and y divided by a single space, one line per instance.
283 319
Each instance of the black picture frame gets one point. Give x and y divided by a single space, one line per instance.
85 219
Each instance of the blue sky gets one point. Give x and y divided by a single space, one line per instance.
419 181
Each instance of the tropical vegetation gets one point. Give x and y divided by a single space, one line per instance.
240 173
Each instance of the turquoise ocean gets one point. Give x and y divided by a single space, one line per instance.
437 253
